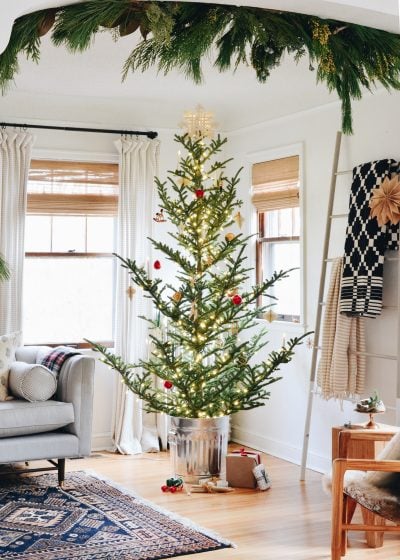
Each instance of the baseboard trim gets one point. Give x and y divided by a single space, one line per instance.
279 449
102 442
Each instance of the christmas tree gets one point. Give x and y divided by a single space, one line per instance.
205 365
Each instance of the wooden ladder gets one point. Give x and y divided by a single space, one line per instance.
322 283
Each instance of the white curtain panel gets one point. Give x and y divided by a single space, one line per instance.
15 157
135 431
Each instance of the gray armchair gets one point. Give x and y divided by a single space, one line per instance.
53 430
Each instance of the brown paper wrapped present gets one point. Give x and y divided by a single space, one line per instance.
239 468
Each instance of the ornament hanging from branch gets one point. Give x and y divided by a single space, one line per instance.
159 217
239 219
130 292
177 296
270 316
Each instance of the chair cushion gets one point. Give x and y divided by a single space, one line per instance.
22 417
381 501
31 382
8 344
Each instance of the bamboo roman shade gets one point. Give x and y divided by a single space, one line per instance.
72 188
276 184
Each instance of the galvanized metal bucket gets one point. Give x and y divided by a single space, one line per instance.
198 447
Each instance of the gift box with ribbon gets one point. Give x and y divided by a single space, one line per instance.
239 468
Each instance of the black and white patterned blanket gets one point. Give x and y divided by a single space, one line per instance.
366 243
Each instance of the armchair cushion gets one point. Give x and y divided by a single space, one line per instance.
381 501
22 417
31 382
8 345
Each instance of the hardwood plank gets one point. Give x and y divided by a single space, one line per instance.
291 521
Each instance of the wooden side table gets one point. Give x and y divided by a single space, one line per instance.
359 442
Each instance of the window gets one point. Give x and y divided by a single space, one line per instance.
276 199
69 240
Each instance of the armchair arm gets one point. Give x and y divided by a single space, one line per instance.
75 385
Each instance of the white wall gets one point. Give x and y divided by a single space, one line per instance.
278 427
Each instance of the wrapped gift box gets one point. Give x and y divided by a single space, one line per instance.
239 468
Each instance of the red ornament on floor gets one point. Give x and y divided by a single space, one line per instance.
168 384
236 300
199 193
157 265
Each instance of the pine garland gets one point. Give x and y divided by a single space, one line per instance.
347 57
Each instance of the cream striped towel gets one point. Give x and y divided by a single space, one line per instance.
341 372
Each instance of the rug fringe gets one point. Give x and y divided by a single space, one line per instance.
174 516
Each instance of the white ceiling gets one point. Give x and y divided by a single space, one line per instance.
87 87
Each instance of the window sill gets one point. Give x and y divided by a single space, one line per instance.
283 326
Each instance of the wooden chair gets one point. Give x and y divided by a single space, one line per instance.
371 491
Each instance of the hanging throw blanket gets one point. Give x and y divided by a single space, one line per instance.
341 370
366 243
55 359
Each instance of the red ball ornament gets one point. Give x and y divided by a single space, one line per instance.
199 193
164 488
157 265
236 300
173 489
168 384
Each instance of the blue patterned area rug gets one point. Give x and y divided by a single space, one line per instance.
90 519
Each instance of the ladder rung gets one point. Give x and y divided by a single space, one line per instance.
332 216
368 354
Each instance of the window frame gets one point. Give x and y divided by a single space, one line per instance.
75 158
256 252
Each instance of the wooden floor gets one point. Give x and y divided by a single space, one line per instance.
291 521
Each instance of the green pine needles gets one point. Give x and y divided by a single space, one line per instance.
348 58
4 270
203 364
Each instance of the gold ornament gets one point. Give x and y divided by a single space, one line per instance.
230 236
232 292
130 292
385 201
177 296
210 260
185 182
239 219
234 328
270 316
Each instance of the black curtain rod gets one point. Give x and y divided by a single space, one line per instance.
149 133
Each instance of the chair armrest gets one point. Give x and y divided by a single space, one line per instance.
75 385
343 465
340 466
